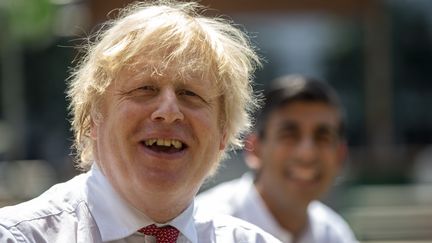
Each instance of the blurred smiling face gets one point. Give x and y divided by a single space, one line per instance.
158 134
300 154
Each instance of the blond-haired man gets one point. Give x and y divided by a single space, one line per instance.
152 116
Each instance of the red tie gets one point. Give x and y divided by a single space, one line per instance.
165 234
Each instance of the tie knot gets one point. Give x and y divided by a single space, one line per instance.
165 234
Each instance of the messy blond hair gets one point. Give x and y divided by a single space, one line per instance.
170 32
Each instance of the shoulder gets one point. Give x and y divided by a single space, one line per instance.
62 202
224 197
225 228
62 197
222 191
326 221
324 214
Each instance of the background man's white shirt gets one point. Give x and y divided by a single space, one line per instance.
239 198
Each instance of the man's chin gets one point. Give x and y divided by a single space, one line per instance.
307 190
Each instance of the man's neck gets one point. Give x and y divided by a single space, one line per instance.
291 216
164 214
162 209
291 220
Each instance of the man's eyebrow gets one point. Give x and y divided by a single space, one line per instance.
140 77
286 125
327 128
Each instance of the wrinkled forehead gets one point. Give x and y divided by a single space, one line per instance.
164 53
157 68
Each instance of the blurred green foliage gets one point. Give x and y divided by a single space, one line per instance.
27 20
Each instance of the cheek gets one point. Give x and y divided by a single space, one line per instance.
278 151
127 110
273 156
116 128
206 117
331 163
206 126
334 168
124 117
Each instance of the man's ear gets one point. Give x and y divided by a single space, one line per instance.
94 124
342 154
251 151
93 130
223 141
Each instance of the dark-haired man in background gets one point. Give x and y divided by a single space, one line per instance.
297 150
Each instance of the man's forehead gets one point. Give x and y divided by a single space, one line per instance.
296 108
159 73
307 113
295 124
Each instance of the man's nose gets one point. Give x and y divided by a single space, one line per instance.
168 107
306 151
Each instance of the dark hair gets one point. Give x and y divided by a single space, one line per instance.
293 88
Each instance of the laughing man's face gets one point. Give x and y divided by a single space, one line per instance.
301 152
158 135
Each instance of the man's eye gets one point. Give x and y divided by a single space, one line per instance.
326 139
187 93
288 136
147 88
323 138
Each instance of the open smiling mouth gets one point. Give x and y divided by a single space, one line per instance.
302 175
164 145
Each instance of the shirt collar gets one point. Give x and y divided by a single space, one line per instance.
185 224
117 219
262 217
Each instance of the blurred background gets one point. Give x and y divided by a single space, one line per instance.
377 54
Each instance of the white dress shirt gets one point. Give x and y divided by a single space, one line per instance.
240 198
87 209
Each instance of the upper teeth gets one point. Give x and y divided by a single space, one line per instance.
164 142
304 174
